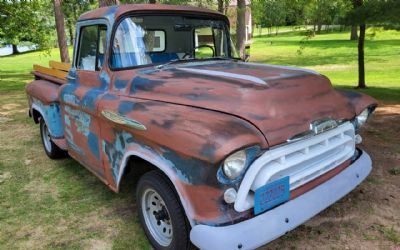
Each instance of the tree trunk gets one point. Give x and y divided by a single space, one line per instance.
241 27
353 34
152 1
226 6
221 6
62 41
14 49
319 28
361 65
71 33
104 3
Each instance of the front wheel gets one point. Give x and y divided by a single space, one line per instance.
51 149
161 213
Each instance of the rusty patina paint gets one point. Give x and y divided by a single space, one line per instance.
44 91
117 11
194 114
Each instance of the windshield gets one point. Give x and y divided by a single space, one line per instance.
152 40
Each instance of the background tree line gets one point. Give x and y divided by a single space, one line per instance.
52 23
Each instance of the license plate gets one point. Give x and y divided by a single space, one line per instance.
271 195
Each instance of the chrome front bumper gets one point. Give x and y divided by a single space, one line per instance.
274 223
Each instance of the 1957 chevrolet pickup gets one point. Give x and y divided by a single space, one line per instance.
231 155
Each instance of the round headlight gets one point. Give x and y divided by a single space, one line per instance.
362 118
235 164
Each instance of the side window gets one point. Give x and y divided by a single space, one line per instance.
92 47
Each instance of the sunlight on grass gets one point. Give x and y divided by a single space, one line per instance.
335 56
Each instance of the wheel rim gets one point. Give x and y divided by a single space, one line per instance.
46 138
157 217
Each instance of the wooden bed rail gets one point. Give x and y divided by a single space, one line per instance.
56 70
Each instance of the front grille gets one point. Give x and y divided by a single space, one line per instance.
302 161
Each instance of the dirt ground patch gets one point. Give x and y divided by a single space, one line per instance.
58 204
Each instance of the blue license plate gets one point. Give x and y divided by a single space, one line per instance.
271 195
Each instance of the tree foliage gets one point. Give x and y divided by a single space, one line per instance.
72 10
270 13
27 21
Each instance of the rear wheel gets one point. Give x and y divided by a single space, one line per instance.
51 149
161 213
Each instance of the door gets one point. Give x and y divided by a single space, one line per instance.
86 85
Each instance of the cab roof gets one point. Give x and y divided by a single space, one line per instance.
114 12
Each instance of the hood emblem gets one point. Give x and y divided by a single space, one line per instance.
320 126
316 127
120 119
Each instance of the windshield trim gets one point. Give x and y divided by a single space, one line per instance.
151 13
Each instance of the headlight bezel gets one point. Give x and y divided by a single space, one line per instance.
362 118
252 152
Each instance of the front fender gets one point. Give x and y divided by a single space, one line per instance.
186 143
358 100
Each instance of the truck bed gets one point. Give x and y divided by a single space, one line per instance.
43 97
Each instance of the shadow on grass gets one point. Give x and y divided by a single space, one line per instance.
344 52
387 95
13 80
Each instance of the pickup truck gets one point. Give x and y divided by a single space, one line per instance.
230 154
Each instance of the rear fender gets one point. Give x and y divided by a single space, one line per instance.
52 116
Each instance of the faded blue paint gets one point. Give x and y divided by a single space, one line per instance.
145 84
93 143
105 80
67 121
82 120
110 14
68 134
89 99
52 117
191 171
125 107
120 84
67 91
71 99
110 97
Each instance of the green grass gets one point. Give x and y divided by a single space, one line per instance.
47 204
58 204
333 55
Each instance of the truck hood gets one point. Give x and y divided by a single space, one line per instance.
280 101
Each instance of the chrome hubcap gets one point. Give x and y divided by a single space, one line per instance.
46 138
157 217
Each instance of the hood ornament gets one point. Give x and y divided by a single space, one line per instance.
322 125
316 127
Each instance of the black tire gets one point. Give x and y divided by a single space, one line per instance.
156 181
51 149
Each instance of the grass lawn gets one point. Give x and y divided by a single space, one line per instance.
59 204
333 55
